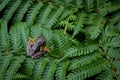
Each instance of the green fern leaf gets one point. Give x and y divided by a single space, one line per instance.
4 65
83 50
49 71
20 12
54 17
95 30
31 15
27 67
20 76
3 3
39 68
11 9
88 70
88 5
114 19
114 6
83 60
24 30
15 37
61 70
4 37
79 23
13 67
78 3
44 15
62 41
36 31
105 76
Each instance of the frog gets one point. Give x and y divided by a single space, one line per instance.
36 47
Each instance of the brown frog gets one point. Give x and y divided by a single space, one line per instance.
36 48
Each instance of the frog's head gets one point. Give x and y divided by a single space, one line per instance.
41 41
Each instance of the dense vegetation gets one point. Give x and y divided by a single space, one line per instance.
83 37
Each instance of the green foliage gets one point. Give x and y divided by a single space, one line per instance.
4 37
11 9
83 37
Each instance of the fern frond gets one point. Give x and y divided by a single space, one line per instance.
79 23
20 12
4 64
83 60
78 3
39 68
3 3
52 19
32 13
13 5
15 37
114 19
44 15
4 37
114 6
96 28
83 50
62 41
88 70
110 31
19 76
114 52
105 76
61 70
110 7
48 73
27 67
88 5
24 31
36 31
13 67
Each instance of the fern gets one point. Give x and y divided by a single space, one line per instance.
27 67
63 42
13 67
15 37
83 60
105 75
48 73
87 71
79 23
114 19
83 50
19 76
43 16
88 5
24 30
53 18
39 68
4 64
20 12
61 70
11 9
95 30
4 37
31 14
3 4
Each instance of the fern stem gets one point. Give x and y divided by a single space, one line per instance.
65 29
